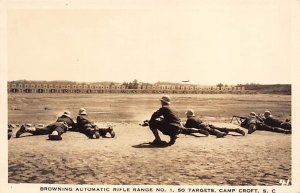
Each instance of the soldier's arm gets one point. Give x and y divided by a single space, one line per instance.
73 124
157 114
261 119
188 123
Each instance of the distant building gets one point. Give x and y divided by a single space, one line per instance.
24 86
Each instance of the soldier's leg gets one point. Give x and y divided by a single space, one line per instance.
280 130
9 132
172 131
264 127
59 130
89 132
96 131
214 131
42 131
227 130
217 133
104 131
154 125
166 129
33 130
286 126
188 131
56 133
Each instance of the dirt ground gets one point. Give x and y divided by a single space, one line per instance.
262 158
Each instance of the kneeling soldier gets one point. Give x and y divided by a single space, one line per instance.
168 125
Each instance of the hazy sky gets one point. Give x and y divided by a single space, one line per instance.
206 44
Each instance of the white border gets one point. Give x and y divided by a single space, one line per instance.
136 4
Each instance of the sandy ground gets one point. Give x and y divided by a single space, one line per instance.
262 158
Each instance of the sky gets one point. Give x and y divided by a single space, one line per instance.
207 43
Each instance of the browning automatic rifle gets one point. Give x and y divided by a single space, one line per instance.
237 119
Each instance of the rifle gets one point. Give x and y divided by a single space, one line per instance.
237 119
145 123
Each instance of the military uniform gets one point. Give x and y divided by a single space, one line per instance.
69 121
195 122
59 127
253 123
85 126
271 121
169 124
166 121
54 130
10 130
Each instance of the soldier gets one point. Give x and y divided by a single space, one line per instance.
273 122
168 125
249 122
10 131
85 126
194 122
54 130
253 122
166 121
66 117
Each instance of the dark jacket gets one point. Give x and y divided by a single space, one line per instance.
169 117
69 121
83 122
272 122
53 126
246 121
193 122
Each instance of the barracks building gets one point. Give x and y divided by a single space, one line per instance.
24 86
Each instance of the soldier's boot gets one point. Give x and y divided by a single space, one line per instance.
90 133
25 129
10 130
203 131
222 129
172 139
280 130
218 134
94 131
238 130
9 134
111 131
288 132
97 134
55 135
193 130
145 123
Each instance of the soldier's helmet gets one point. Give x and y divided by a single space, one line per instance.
267 114
166 99
190 112
82 111
253 114
67 114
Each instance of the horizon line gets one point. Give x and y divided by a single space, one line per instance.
190 82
